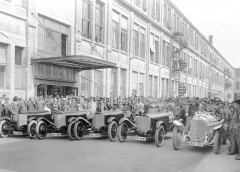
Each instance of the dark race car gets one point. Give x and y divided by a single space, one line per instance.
152 125
58 124
21 124
103 124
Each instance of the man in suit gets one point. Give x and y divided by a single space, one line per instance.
22 106
14 107
6 104
31 105
64 107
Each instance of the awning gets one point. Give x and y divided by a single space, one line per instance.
79 62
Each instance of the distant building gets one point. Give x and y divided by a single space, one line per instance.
236 86
135 34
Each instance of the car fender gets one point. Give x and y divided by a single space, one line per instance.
177 123
5 118
82 119
45 120
217 127
111 119
71 119
159 123
31 118
129 123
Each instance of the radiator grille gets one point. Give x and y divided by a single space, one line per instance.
144 124
98 120
198 128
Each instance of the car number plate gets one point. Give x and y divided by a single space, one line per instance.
196 144
94 135
56 134
140 138
17 133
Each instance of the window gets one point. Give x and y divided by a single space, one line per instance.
165 16
53 37
86 19
142 45
238 74
114 82
124 42
178 24
153 9
3 60
98 91
175 22
164 53
85 83
141 84
152 48
18 67
114 34
123 82
158 10
169 18
134 83
166 88
196 43
135 42
162 88
168 56
157 52
150 85
237 85
155 87
99 23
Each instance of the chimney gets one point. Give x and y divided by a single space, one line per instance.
210 39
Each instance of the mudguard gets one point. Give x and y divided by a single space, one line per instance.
6 118
177 123
31 118
159 123
71 119
82 119
45 120
111 119
217 127
129 123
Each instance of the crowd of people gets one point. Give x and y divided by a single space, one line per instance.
176 107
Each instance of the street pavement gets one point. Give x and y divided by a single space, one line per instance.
20 154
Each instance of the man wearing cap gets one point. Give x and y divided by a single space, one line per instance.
14 107
22 106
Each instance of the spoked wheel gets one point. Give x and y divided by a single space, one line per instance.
4 129
41 130
31 129
159 136
112 131
78 130
177 138
122 132
70 130
217 142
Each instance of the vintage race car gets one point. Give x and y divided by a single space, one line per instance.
152 125
205 130
21 124
103 124
58 124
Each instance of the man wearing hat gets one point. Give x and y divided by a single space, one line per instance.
14 107
63 106
6 104
39 102
22 106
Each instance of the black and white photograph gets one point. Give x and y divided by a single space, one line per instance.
119 86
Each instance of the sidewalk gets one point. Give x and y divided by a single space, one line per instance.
219 163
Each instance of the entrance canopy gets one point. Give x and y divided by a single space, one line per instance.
79 62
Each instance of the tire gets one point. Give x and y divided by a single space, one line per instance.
78 130
122 135
217 142
70 130
41 130
176 139
4 129
112 131
31 129
159 136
